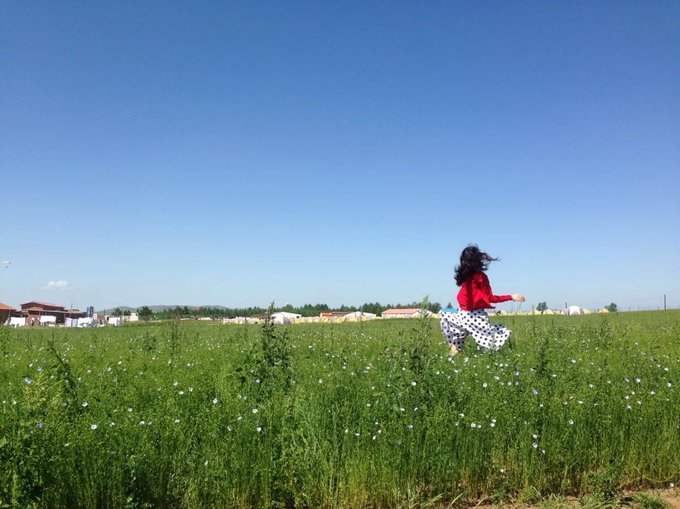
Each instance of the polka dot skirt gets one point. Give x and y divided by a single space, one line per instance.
457 326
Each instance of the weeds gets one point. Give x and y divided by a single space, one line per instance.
372 414
649 501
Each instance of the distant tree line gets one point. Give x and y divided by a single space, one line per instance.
613 308
306 310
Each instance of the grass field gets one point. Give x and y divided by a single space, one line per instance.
370 414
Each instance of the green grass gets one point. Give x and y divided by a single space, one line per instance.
369 414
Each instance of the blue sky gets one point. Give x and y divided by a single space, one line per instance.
239 153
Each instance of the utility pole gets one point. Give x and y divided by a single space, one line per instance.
664 302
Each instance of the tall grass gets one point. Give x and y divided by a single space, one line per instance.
336 415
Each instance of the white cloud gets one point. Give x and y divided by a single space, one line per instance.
52 285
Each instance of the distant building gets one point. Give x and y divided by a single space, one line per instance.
36 311
404 313
132 317
242 320
5 312
358 316
448 310
333 314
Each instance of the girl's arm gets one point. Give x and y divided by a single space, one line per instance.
485 287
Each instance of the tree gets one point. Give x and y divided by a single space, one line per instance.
117 312
145 313
612 308
542 306
434 307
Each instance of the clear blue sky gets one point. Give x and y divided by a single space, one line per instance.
236 153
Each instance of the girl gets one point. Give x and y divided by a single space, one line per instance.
474 297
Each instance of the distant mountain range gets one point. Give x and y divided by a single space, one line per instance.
157 308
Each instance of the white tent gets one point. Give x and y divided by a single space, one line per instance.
48 319
574 311
88 321
114 320
282 317
17 321
358 316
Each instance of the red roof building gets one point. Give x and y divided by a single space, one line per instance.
5 312
42 305
333 314
34 309
402 313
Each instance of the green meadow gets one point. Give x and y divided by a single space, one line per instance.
371 414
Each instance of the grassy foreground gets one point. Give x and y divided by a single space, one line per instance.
337 415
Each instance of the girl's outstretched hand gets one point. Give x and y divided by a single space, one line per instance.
518 297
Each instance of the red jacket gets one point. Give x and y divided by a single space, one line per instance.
475 293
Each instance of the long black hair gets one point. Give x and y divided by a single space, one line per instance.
472 260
